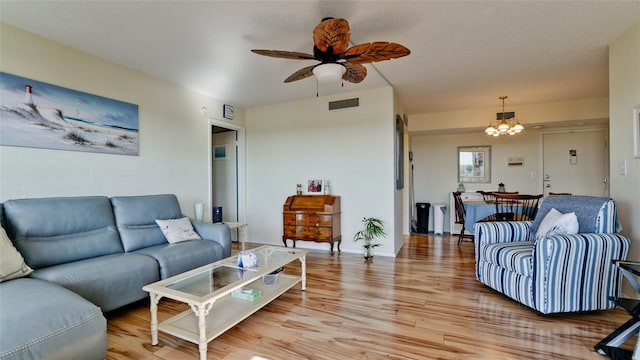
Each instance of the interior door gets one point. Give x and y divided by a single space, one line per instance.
225 172
576 162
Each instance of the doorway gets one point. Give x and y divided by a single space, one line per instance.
226 170
576 162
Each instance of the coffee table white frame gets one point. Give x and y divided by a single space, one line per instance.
216 312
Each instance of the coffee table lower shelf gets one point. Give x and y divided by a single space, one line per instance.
226 312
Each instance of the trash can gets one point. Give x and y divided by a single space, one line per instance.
438 218
422 215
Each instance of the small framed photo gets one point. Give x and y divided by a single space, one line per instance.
220 152
636 131
314 186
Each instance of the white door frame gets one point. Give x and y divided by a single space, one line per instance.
242 189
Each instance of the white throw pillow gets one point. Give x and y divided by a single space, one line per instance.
12 263
176 230
567 224
556 222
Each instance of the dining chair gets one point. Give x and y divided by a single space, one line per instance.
516 207
460 215
489 196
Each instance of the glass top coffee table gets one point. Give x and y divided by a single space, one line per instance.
221 294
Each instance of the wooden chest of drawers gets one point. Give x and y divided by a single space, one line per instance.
312 218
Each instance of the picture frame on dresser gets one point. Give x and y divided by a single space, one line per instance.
314 186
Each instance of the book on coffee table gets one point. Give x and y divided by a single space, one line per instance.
247 294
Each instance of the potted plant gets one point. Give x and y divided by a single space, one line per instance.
373 228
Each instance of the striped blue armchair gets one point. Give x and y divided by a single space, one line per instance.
556 273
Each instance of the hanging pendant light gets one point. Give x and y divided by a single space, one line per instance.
504 124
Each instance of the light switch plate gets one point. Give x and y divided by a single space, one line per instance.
622 167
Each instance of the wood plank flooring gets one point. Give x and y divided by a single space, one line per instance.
424 304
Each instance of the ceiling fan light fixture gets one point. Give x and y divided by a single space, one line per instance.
329 72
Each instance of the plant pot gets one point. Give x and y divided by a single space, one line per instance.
368 254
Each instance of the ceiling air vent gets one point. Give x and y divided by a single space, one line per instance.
343 104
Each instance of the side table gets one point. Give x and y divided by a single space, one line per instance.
609 346
242 236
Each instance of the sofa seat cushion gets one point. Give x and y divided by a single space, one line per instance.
177 258
41 320
513 256
109 281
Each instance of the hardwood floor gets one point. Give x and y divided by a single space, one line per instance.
424 304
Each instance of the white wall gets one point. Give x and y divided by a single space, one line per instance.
624 94
353 148
435 164
174 134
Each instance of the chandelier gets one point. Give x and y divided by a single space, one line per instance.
504 124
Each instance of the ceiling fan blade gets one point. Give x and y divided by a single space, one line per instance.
285 54
355 73
375 51
300 74
332 36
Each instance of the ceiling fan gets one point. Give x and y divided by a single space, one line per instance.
331 48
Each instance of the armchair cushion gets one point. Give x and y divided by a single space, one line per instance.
513 256
556 222
595 214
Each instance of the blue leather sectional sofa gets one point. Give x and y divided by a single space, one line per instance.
90 255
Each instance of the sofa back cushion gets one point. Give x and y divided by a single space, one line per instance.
136 218
52 231
595 214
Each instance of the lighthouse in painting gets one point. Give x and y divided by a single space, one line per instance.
29 95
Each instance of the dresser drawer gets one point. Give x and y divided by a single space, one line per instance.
307 232
301 219
289 219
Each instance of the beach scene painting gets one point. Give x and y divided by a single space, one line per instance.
41 115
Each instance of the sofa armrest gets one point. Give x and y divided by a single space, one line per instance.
490 232
577 272
219 233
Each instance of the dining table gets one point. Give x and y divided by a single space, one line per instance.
475 211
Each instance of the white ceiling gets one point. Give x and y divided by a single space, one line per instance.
464 54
